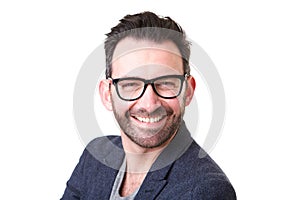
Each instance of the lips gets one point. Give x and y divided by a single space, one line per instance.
149 119
156 117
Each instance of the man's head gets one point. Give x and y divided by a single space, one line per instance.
148 83
147 26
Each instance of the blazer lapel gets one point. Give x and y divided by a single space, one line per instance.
153 184
151 190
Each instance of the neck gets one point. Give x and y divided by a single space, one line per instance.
140 159
140 162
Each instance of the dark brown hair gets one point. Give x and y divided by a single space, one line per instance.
149 26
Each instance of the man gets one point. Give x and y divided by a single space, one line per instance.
147 86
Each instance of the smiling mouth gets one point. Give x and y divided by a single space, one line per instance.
149 119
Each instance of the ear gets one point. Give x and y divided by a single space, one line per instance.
191 85
104 91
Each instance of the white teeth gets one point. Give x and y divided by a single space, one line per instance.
147 120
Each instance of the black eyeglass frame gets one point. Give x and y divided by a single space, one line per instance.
151 82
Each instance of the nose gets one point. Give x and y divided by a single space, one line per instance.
149 101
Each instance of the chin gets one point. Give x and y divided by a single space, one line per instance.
151 142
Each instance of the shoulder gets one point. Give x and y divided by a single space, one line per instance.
200 172
196 160
95 171
100 148
104 142
214 186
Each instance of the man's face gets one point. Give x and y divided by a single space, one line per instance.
149 121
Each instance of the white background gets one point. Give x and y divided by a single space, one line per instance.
254 44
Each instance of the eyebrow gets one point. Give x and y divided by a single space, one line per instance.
143 77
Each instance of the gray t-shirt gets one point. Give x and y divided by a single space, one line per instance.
115 193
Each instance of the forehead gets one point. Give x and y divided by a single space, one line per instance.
147 59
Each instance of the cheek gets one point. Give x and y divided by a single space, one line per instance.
174 104
120 105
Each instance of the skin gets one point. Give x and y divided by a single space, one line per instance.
144 140
149 61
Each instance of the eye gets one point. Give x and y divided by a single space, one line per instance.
130 85
167 84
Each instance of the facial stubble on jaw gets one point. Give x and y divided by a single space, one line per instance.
158 137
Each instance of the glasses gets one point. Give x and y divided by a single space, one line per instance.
132 88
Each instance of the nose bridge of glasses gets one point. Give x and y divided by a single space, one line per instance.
149 82
152 87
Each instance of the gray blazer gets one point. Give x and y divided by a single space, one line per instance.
182 171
